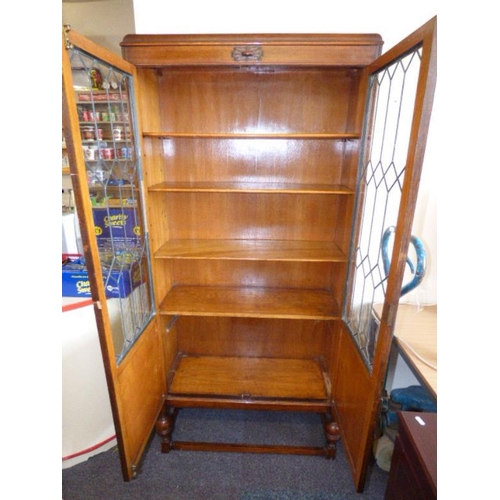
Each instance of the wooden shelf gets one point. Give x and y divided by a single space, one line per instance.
92 123
245 135
113 188
97 142
93 96
249 378
259 250
250 187
250 302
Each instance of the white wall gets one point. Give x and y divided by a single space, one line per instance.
393 19
105 22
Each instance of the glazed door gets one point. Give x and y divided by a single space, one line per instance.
399 88
103 142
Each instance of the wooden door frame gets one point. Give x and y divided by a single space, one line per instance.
132 431
425 37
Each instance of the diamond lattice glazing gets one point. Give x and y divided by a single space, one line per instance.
381 176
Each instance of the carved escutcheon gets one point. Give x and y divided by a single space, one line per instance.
247 54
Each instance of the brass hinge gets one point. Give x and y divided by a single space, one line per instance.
391 316
67 29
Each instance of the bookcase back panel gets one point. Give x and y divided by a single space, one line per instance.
252 216
262 100
277 338
254 160
314 275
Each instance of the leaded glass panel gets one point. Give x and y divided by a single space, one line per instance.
392 92
106 115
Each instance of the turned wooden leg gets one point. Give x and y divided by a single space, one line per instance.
165 427
332 434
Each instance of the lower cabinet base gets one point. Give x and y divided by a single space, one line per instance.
166 424
238 383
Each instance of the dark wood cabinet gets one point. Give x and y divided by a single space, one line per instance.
413 474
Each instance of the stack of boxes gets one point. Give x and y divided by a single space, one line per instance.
118 238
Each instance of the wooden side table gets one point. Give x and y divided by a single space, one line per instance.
413 474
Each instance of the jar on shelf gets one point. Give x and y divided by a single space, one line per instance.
125 153
88 133
118 133
90 153
108 153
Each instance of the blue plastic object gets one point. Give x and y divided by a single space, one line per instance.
412 398
419 271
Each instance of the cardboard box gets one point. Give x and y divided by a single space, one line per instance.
120 225
118 284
